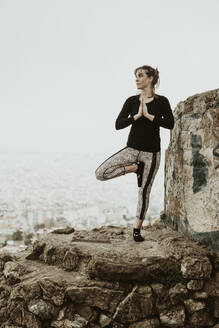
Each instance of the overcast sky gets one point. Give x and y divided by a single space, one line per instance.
67 67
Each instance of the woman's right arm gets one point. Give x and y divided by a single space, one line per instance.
123 120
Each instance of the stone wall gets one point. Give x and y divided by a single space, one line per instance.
191 169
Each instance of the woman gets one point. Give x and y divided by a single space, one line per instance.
148 112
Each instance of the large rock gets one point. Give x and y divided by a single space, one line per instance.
82 279
191 168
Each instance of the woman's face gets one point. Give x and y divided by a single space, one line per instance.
142 80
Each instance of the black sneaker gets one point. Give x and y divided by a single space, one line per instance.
136 235
139 172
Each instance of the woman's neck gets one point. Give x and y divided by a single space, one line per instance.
147 94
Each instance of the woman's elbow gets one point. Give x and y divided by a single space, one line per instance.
117 125
171 126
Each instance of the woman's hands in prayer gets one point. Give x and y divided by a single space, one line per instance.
143 111
140 111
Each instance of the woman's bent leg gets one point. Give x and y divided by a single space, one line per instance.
114 166
152 163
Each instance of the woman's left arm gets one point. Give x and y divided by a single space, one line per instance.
167 119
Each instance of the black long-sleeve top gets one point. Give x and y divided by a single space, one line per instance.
145 134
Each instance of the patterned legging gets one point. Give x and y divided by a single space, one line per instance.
114 166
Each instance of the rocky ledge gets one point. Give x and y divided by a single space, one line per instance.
103 278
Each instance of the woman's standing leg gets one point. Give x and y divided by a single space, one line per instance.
117 164
152 163
120 163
